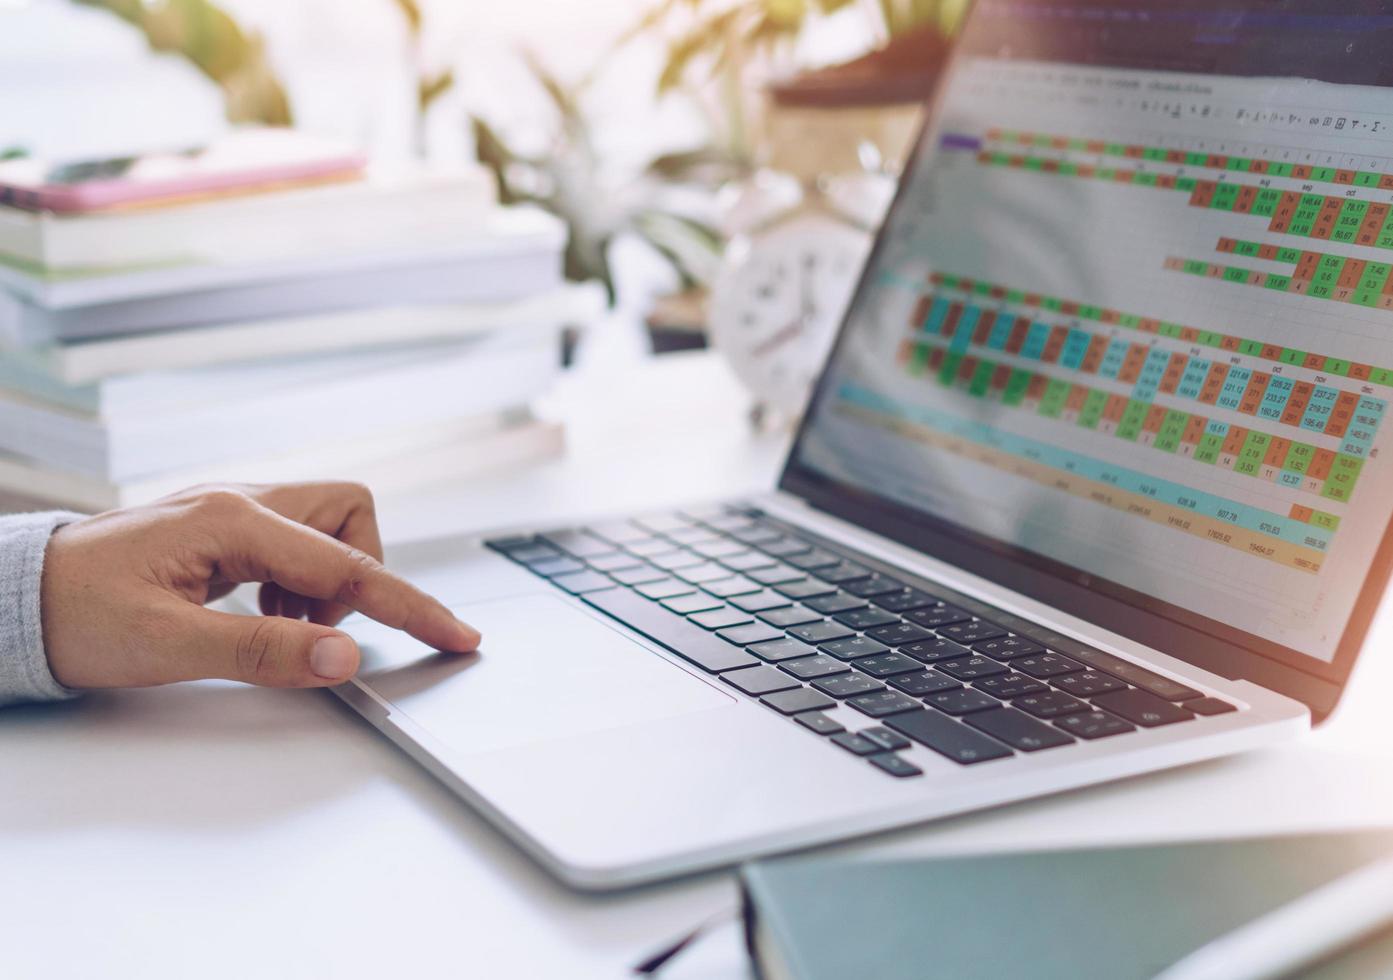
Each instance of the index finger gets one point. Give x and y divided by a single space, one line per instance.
263 546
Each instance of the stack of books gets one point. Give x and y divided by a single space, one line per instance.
335 322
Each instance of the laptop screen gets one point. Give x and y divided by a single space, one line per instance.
1131 315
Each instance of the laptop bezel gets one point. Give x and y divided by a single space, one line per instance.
1176 632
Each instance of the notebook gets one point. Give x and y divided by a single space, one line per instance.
1118 913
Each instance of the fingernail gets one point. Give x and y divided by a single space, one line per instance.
469 636
333 657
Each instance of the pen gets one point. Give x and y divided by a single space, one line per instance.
1295 935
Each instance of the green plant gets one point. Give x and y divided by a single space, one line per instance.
208 36
569 181
717 46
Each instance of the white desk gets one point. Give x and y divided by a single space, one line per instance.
214 830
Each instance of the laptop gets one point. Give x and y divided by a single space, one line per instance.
1096 479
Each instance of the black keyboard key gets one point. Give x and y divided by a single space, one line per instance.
1010 685
1162 687
759 680
903 600
962 702
692 535
821 632
940 615
864 619
847 685
662 523
881 704
971 632
887 665
1142 708
756 534
718 549
897 634
707 571
579 543
970 668
707 651
873 585
743 636
619 532
1006 647
560 565
853 647
947 737
758 601
786 546
534 553
1094 724
837 602
614 561
718 619
776 575
895 765
817 558
843 572
806 589
1018 730
789 616
1088 683
665 588
792 702
1209 706
743 561
1050 704
517 542
733 586
923 682
932 651
890 741
855 744
1045 665
639 574
784 649
815 721
811 668
726 522
694 603
580 583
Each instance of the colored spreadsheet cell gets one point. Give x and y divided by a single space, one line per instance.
1291 541
1214 339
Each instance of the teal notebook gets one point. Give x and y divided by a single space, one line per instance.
1115 913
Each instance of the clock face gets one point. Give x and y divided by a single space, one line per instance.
778 301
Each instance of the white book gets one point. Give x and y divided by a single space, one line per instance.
488 374
85 362
497 235
392 462
386 205
154 393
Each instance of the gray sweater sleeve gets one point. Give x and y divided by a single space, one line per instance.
24 673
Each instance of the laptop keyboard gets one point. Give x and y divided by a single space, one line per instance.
803 626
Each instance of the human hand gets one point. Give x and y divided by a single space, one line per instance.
123 592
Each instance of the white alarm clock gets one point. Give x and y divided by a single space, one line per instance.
780 295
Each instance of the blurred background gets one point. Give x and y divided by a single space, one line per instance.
666 140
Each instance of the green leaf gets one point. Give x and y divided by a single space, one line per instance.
433 87
211 39
411 11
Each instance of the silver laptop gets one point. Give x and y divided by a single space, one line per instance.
1096 480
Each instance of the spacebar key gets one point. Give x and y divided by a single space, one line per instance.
947 737
706 650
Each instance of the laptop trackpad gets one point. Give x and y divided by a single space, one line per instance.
545 670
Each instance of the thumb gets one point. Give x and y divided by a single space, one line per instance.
274 651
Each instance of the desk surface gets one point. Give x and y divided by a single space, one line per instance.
215 830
